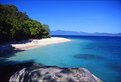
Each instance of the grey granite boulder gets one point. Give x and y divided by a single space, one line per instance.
38 73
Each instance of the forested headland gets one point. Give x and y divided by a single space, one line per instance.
17 25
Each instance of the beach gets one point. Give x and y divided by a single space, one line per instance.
34 43
83 51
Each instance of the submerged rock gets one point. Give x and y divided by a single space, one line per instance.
38 73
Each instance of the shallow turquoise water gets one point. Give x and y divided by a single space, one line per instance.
101 55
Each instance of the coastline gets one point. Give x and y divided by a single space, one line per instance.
34 43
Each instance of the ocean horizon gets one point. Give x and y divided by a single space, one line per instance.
101 55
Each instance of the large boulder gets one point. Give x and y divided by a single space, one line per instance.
38 73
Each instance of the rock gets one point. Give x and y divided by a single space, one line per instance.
38 73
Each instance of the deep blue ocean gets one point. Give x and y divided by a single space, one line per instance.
100 55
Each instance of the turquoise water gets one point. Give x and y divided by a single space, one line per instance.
101 55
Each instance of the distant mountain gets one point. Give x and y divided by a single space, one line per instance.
62 32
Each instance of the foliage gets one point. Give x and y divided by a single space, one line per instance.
16 25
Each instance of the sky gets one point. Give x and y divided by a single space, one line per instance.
74 15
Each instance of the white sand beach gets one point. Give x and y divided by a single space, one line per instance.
34 43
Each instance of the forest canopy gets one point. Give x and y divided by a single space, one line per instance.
16 25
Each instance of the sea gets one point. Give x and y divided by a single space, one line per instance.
101 55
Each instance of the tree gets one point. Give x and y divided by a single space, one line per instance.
16 25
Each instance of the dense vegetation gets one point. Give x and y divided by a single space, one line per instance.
16 25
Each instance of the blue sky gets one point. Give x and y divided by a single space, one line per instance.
74 15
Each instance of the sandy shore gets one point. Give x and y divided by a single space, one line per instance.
34 43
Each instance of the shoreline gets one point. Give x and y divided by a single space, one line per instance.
35 43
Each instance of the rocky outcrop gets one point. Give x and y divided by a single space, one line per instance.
38 73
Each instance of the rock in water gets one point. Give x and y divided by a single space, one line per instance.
53 74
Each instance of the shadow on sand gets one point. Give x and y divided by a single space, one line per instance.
7 51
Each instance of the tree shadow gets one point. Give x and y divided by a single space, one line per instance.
7 51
